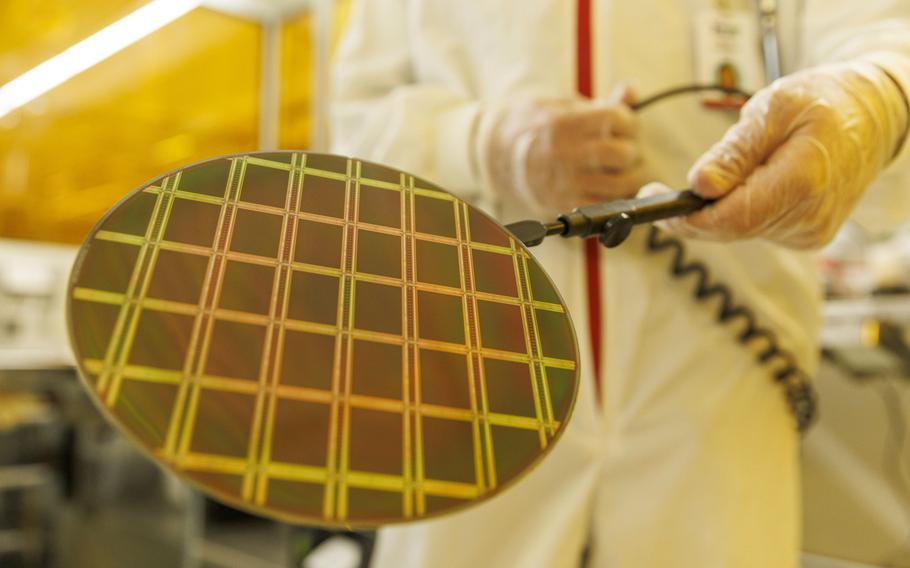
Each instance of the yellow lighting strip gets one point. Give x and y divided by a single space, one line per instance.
90 51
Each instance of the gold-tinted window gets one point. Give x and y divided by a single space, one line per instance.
187 92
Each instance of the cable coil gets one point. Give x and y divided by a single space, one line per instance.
800 395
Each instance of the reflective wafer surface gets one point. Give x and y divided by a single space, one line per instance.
322 340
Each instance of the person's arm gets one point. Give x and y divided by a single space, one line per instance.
379 113
806 147
552 154
877 31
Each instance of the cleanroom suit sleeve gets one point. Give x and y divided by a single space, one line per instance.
877 31
806 148
379 113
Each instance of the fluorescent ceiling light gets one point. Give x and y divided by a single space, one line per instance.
90 51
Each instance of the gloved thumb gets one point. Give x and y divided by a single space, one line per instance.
745 146
622 93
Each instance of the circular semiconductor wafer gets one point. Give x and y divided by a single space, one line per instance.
322 340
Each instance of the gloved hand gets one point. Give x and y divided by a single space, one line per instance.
800 157
559 154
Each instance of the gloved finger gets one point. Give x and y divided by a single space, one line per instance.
599 119
744 147
623 94
599 187
786 183
675 225
610 154
653 188
622 121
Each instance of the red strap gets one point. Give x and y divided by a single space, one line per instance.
583 49
592 264
592 247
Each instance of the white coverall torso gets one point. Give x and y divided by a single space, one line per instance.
691 458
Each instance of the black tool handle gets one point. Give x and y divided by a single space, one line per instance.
595 219
676 204
612 220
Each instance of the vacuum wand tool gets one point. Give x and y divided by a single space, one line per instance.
612 220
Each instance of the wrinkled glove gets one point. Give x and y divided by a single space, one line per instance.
800 157
555 155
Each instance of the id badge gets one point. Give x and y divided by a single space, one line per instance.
728 53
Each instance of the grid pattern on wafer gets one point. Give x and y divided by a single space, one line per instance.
321 339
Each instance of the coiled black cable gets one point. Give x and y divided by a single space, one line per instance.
798 390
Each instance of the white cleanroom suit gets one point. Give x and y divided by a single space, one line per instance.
690 458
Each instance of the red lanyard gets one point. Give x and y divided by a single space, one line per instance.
592 247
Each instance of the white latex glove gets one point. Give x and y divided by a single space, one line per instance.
559 154
799 159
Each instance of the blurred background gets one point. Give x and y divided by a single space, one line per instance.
170 82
